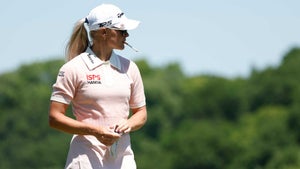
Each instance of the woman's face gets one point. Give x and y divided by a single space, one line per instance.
110 38
116 38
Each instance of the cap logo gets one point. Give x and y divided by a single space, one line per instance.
120 15
108 23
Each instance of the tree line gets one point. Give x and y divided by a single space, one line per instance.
202 121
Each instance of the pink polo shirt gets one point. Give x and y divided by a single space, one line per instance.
102 94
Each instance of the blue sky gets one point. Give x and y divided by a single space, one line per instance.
226 38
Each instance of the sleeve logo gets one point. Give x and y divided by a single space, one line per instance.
61 74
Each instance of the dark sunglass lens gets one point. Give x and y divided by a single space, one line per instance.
124 32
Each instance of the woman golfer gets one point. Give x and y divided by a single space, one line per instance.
102 88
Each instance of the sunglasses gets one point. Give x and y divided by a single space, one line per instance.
123 32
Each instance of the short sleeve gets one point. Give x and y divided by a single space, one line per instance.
63 89
137 98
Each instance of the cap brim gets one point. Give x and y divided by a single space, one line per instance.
128 24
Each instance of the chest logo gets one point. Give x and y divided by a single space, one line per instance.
93 79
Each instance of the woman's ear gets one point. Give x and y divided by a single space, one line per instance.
104 33
100 34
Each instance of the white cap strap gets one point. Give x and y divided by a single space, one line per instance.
86 26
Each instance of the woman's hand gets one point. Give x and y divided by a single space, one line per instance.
107 136
135 122
122 127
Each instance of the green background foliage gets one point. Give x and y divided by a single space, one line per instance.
201 121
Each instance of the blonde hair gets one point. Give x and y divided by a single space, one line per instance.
78 41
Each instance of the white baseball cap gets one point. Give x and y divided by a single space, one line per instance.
109 16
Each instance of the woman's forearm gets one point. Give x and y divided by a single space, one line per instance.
58 120
138 118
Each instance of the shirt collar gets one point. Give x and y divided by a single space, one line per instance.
92 61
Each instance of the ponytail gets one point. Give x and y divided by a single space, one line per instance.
78 41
